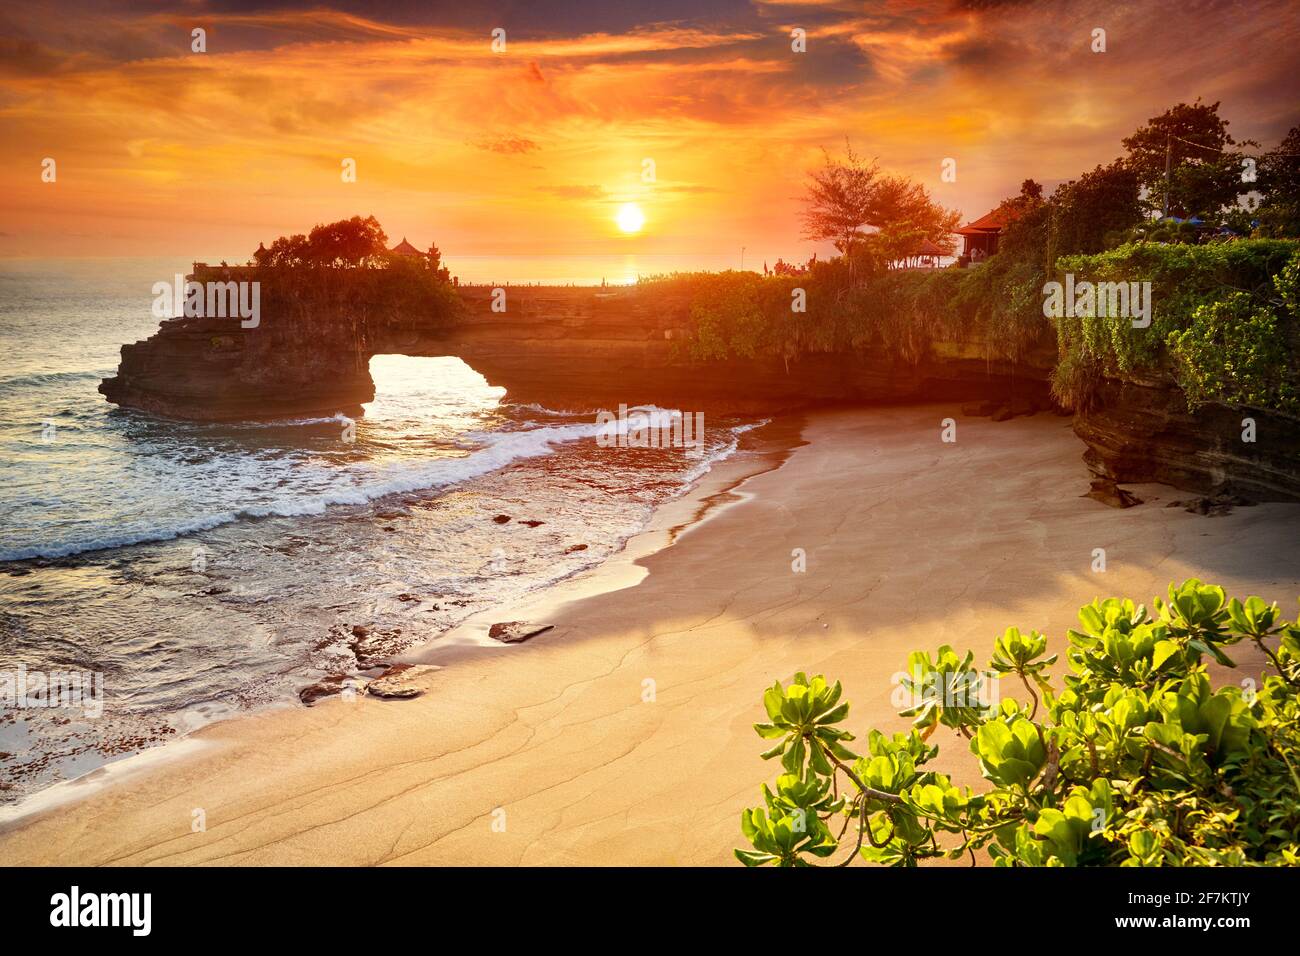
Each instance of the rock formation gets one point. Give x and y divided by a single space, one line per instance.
569 347
561 346
1141 431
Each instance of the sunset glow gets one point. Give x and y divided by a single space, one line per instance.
523 156
630 218
471 434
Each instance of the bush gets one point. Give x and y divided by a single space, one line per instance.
741 314
1211 304
1234 351
1137 761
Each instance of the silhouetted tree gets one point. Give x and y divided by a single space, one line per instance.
1279 185
848 198
1205 174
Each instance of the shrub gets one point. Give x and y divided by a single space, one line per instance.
1136 761
739 314
1234 351
1219 314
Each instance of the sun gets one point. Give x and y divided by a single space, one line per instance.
630 218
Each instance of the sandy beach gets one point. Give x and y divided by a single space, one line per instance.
623 736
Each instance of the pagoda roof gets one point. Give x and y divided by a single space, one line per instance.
993 221
404 248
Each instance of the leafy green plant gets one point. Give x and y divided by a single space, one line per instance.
1236 349
1223 322
1137 761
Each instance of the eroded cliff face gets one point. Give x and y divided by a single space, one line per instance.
593 348
1141 431
564 347
212 370
298 360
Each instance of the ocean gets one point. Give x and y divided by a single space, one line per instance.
199 570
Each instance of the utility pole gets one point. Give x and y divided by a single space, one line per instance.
1169 155
742 258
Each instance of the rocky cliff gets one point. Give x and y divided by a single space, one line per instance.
1141 431
597 348
563 346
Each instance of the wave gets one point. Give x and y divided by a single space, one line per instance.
13 383
704 466
338 418
496 450
557 412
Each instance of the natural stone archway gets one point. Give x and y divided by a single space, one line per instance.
572 347
580 346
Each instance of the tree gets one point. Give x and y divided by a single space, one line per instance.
849 197
1089 212
348 244
1136 761
287 251
1279 184
1205 174
841 201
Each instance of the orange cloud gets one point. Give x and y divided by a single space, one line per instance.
161 150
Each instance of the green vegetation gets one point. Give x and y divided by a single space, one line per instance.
1224 315
1224 319
1136 761
746 315
347 266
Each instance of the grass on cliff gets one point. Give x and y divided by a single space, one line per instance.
747 315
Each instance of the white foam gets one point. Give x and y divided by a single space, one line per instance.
498 450
494 451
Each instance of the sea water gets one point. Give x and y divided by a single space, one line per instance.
202 569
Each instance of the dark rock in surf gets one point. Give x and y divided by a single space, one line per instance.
515 632
327 687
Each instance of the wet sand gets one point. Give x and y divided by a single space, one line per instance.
623 735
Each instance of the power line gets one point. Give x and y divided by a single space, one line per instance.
1220 151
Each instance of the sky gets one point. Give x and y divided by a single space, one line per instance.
516 161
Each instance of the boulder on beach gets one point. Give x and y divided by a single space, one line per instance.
1109 493
399 681
326 687
515 632
1212 505
501 519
